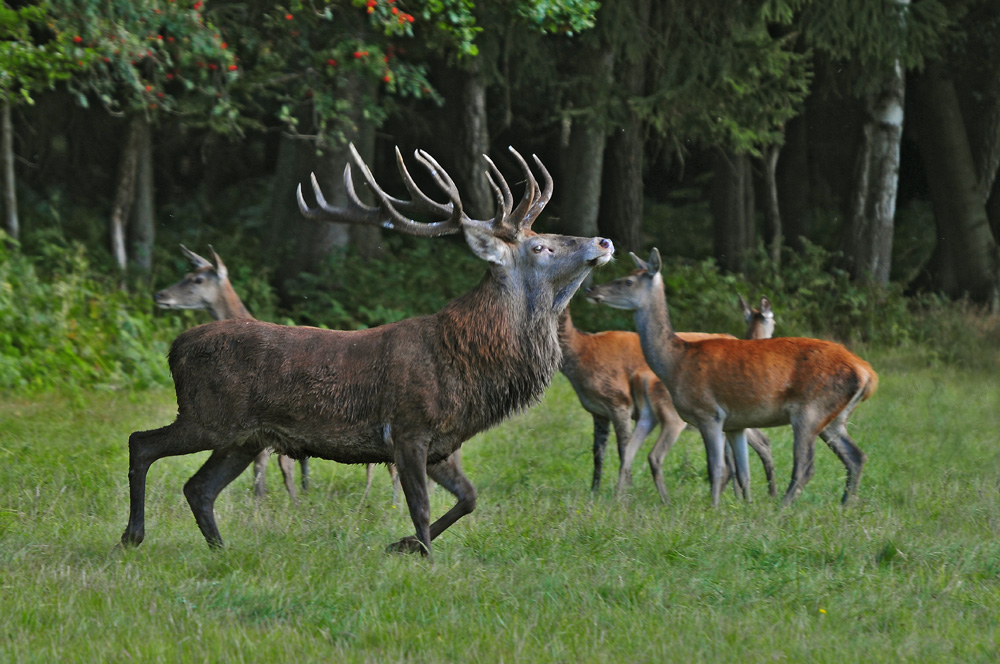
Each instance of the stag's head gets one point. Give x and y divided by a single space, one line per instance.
547 268
199 289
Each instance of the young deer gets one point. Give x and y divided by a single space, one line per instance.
409 392
616 386
208 287
724 386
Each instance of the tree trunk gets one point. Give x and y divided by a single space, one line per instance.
143 225
772 212
125 193
793 183
868 240
964 261
468 138
582 156
622 181
9 196
732 206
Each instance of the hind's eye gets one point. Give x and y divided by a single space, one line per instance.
538 248
629 282
198 280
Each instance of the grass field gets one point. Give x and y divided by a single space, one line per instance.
542 571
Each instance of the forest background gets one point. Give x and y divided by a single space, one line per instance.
839 156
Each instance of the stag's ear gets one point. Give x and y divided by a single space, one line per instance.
486 245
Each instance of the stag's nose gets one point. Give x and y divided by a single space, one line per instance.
157 296
605 243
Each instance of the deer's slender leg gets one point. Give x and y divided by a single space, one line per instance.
304 469
260 473
803 452
643 426
287 466
741 462
849 454
671 427
145 447
203 488
715 442
602 428
761 444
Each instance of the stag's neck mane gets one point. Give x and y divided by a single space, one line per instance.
500 345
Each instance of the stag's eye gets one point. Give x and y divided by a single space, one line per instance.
538 248
198 280
629 282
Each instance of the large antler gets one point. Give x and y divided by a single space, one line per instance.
393 212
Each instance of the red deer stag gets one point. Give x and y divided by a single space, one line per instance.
723 386
409 392
208 287
616 386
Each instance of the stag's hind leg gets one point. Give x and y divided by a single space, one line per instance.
204 487
145 447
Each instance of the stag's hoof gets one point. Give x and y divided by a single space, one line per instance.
407 545
131 539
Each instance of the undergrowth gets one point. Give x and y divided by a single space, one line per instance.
66 319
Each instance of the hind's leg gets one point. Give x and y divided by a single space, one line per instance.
602 428
260 473
145 447
849 454
287 466
804 448
204 486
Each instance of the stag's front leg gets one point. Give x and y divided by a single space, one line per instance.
204 487
411 465
145 447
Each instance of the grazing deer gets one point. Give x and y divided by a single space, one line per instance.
616 386
208 287
409 392
724 386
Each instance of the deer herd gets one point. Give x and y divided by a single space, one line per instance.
408 394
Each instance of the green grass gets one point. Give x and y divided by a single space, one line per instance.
542 571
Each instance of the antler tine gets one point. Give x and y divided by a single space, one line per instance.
520 217
500 184
422 202
543 198
386 213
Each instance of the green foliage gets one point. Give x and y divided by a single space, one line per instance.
724 75
153 56
30 63
62 324
416 278
865 39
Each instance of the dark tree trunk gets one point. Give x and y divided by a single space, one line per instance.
121 207
622 181
468 138
143 225
793 183
964 261
732 206
582 156
868 239
9 193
